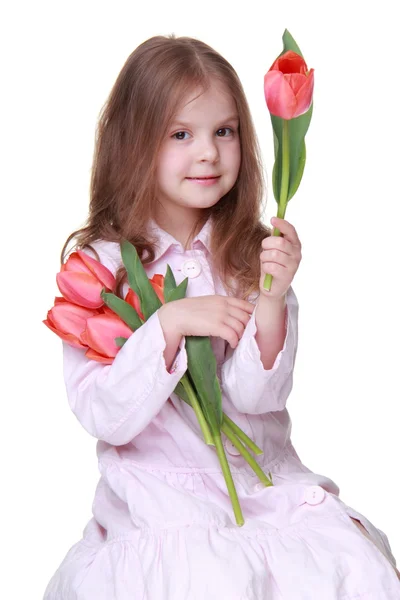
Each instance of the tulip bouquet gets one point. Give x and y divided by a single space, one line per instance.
89 315
288 90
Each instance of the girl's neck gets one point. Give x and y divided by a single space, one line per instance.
181 226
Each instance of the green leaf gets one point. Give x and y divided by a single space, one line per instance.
178 293
169 282
289 43
202 366
138 280
181 392
120 341
123 309
295 181
297 152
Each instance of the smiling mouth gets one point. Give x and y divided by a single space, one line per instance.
213 177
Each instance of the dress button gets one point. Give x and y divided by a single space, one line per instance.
191 268
231 448
259 486
314 495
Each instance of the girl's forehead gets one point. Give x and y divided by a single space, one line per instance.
215 100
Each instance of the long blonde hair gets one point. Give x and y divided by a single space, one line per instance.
132 125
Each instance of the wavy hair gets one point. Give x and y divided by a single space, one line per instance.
131 127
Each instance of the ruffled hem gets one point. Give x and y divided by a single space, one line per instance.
318 548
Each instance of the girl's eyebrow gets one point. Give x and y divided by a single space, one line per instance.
231 118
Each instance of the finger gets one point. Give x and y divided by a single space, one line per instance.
273 269
240 303
235 325
276 256
230 335
240 315
279 243
287 229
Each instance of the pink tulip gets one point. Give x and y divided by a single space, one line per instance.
82 278
288 86
99 336
68 321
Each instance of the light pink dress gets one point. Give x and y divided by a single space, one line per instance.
162 525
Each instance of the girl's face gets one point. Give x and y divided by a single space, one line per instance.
202 141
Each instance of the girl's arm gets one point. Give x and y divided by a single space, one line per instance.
116 402
271 328
251 387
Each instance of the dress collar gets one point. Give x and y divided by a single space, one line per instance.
166 240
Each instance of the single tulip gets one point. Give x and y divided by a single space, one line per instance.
157 283
289 86
82 278
100 333
68 321
288 90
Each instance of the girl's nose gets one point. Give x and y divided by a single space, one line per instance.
208 151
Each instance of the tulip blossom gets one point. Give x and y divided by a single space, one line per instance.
288 86
68 321
100 333
157 283
82 278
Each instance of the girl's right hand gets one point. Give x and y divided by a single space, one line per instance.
219 316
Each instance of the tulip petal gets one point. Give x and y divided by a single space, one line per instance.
101 272
99 357
290 62
279 96
107 310
69 318
296 81
60 300
71 339
80 288
74 263
304 95
101 331
133 299
158 290
158 279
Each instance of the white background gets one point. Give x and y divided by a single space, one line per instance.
59 62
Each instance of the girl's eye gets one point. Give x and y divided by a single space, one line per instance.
224 129
180 133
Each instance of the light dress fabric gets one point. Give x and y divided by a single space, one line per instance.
162 525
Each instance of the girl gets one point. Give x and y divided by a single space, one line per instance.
177 171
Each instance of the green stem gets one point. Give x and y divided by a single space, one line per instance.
246 454
194 403
241 434
284 191
229 480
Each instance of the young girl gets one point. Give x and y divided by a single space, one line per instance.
177 171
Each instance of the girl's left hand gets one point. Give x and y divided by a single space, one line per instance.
281 258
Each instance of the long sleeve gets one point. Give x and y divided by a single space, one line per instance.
116 402
251 388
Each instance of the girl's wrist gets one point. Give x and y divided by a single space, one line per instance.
169 315
272 300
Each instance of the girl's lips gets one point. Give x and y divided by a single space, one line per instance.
204 181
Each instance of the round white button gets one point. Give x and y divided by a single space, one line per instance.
191 268
231 448
314 495
260 486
